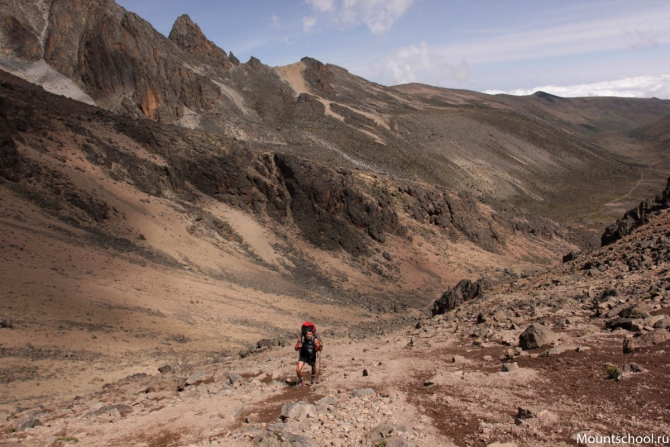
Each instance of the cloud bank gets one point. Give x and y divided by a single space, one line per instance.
419 63
634 87
378 15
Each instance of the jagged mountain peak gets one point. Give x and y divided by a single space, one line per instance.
187 35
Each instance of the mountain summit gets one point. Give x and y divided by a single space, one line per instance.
189 37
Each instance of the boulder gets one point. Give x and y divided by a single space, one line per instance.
623 323
463 291
640 310
662 324
616 310
298 410
630 368
26 422
536 336
645 340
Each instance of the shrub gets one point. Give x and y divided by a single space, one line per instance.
613 371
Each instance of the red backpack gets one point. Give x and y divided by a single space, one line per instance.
308 326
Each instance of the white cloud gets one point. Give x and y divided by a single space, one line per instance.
322 5
649 30
634 87
640 39
308 23
274 20
378 15
420 64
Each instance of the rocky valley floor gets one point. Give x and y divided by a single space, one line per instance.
581 350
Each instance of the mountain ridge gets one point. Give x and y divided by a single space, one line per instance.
420 136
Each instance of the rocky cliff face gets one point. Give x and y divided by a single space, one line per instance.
189 37
531 151
636 217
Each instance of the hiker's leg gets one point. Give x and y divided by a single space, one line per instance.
298 369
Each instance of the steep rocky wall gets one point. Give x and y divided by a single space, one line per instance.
636 217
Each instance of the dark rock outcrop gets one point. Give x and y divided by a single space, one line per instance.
319 77
10 161
19 40
636 217
328 208
189 37
115 56
465 290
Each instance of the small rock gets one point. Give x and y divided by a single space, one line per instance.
590 329
5 324
509 367
282 439
298 410
583 348
379 433
531 412
432 380
457 359
232 378
365 373
165 369
200 377
662 324
399 441
363 392
323 403
488 358
569 257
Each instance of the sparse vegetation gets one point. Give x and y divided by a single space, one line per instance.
613 371
653 293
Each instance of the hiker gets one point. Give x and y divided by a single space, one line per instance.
308 344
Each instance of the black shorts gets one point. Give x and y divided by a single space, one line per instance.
310 360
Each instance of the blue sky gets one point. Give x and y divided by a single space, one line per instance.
570 48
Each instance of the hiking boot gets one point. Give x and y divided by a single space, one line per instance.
300 383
